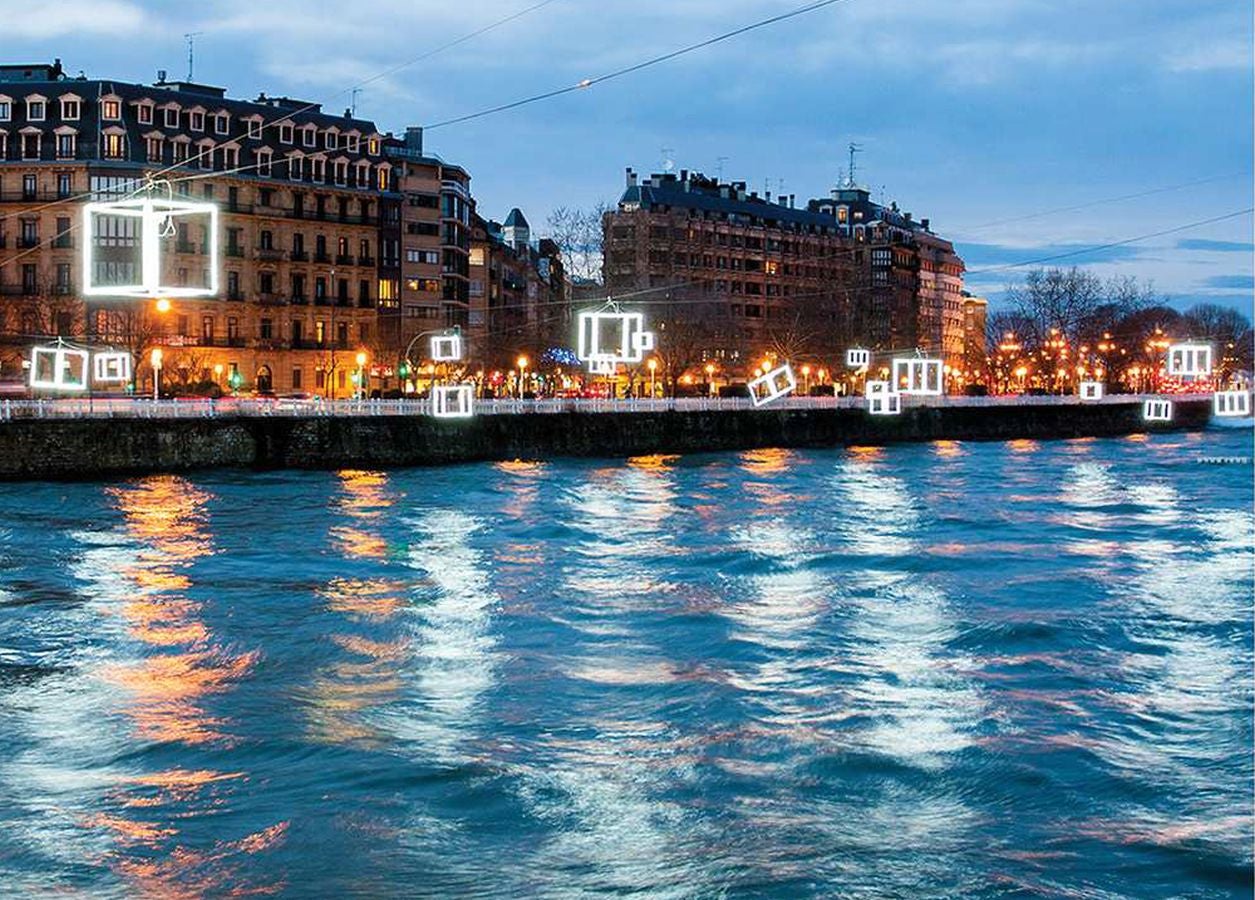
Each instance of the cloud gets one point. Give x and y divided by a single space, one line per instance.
1231 282
72 18
1215 246
1213 56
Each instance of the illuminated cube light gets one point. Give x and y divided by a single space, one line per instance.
1091 390
607 338
858 359
111 367
918 376
1232 403
882 400
446 347
1190 360
127 244
1157 410
59 368
777 383
453 401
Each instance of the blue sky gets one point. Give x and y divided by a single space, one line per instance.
984 115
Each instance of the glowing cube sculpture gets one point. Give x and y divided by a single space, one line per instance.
1189 360
1157 410
607 338
918 376
858 359
446 347
1232 403
126 245
58 368
777 383
1090 390
882 400
111 367
453 401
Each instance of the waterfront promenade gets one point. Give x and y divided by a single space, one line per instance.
77 439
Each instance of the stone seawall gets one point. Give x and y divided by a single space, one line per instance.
102 448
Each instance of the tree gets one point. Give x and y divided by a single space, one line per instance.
1078 304
578 234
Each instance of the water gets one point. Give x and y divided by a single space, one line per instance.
990 670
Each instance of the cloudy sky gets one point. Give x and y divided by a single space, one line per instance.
1023 128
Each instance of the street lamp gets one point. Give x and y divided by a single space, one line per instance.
162 305
653 366
155 358
710 377
806 379
522 364
361 375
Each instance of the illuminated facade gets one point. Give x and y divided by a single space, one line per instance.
309 225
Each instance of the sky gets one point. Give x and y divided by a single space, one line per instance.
1022 128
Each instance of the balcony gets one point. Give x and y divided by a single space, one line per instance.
271 299
235 251
300 300
299 256
366 261
27 242
270 253
235 295
16 290
62 242
321 258
344 259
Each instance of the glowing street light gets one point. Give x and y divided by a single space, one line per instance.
361 374
522 362
162 305
155 359
653 367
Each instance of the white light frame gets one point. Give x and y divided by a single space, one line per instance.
111 366
61 356
920 372
446 347
634 340
1090 390
858 358
1232 403
882 399
1157 410
768 387
1189 360
453 401
151 214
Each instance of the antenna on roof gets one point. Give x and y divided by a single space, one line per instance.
854 148
190 37
719 161
353 102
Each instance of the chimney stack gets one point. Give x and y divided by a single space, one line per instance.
631 177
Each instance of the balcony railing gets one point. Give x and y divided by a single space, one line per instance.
322 258
27 242
270 253
236 251
366 261
344 259
299 256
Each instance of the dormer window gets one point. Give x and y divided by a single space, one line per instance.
70 107
309 136
372 147
196 120
295 162
171 117
354 143
285 133
6 109
222 123
263 162
330 140
35 109
144 113
111 110
254 128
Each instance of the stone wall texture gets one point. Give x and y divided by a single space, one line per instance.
105 448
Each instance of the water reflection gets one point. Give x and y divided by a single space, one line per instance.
363 499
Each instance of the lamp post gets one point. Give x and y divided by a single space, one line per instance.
522 364
653 366
710 378
806 380
361 375
155 358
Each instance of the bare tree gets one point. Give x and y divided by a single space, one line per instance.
578 234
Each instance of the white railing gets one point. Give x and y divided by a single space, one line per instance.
140 408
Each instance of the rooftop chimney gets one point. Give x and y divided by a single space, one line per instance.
161 76
924 223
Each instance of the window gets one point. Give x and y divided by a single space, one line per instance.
372 147
62 285
66 145
207 330
28 187
320 332
263 163
205 158
342 335
342 172
30 145
330 140
64 184
266 282
230 158
233 329
62 240
170 116
196 121
254 128
388 289
180 151
233 286
6 110
153 148
265 329
383 178
70 109
296 378
35 109
144 112
222 123
111 110
285 133
354 144
295 171
309 136
115 146
363 293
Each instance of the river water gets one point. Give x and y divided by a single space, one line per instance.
993 670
